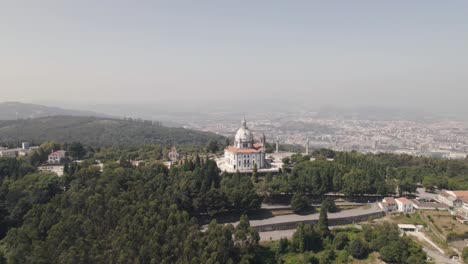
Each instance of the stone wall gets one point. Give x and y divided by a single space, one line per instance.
331 222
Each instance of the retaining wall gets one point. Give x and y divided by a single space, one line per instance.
331 222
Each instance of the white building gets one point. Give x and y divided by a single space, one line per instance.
389 204
55 168
245 152
173 155
56 157
421 204
407 228
464 209
12 153
9 153
404 205
451 198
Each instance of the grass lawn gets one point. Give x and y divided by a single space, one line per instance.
414 219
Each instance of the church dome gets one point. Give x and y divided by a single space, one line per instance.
244 134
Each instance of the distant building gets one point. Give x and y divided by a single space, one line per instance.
451 198
390 204
245 152
12 153
25 145
404 205
173 155
426 204
407 228
56 157
464 209
9 153
55 168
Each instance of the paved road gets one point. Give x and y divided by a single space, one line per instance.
277 234
436 253
295 218
287 206
423 237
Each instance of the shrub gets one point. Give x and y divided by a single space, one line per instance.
358 248
299 203
341 240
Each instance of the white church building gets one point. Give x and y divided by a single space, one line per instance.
245 152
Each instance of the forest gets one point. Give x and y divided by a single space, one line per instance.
152 214
355 174
99 132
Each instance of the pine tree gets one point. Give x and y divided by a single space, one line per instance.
299 203
254 173
322 226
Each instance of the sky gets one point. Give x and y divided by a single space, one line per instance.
315 53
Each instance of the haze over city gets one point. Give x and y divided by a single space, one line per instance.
183 54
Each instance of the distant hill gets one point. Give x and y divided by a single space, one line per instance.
98 131
17 110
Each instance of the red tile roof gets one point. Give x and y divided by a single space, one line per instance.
463 195
245 151
58 152
429 204
403 200
389 200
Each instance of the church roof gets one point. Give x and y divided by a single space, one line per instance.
243 133
243 150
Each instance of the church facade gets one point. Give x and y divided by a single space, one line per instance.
245 152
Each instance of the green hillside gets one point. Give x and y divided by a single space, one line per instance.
18 110
96 131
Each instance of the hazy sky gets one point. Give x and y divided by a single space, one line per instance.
391 53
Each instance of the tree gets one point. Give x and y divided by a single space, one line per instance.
3 221
392 253
341 240
323 153
246 238
328 256
283 246
254 173
305 238
330 205
322 226
76 150
299 203
212 146
465 253
357 248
